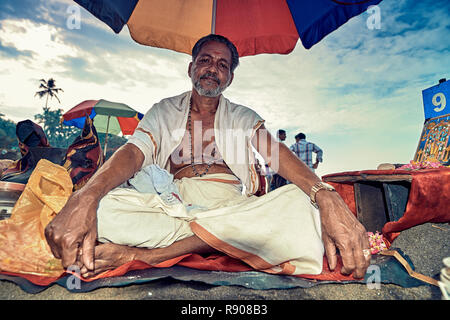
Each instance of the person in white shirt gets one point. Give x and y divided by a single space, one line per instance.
207 175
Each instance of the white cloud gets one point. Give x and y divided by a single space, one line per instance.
130 77
42 40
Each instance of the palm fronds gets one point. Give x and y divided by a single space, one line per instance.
49 90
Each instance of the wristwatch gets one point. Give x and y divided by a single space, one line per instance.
319 186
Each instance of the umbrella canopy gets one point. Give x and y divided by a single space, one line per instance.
254 26
110 117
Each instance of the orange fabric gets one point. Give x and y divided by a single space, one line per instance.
286 268
23 248
273 31
171 24
253 260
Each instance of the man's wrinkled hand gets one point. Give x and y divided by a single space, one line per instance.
73 232
342 230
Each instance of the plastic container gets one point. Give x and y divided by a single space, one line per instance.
9 194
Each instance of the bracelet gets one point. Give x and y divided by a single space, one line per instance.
315 188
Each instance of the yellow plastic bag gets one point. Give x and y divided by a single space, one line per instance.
23 247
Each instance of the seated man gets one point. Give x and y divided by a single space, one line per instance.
205 141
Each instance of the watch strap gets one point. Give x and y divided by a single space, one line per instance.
315 188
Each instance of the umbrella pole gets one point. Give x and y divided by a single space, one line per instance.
106 139
213 22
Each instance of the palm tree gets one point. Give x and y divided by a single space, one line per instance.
48 89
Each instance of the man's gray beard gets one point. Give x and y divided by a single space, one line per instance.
211 93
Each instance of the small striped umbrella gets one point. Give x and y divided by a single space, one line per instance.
109 117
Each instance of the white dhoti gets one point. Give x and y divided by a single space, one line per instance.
279 232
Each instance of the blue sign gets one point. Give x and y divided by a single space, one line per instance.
436 100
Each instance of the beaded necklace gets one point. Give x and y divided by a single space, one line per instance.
197 174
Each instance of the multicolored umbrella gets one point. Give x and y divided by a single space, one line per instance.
254 26
110 117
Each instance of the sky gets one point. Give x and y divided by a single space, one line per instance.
357 94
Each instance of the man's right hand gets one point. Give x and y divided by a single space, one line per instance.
72 234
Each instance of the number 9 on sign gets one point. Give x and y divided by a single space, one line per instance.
435 100
439 101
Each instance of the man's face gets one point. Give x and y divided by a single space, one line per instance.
210 73
282 136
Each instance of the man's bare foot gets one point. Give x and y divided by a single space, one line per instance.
109 256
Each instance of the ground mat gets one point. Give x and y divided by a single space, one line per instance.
383 270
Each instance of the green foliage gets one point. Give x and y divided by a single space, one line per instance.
114 142
8 138
58 135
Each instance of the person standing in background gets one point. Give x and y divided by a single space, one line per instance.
304 150
277 180
281 135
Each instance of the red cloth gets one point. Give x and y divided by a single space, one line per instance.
347 193
428 201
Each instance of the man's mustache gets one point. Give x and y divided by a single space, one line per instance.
211 76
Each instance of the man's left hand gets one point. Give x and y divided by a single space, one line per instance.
342 230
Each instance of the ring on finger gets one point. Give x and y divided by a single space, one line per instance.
366 253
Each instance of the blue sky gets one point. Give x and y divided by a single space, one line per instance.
357 94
